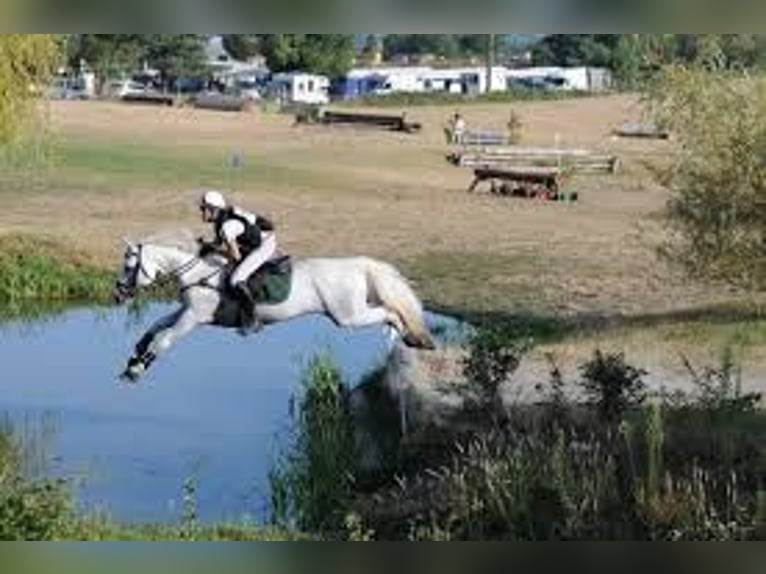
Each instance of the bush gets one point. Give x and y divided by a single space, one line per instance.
33 511
26 61
613 386
717 176
669 471
312 483
494 354
30 510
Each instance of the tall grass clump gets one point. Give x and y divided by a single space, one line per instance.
34 270
313 481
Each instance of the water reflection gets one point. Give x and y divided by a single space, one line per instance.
209 410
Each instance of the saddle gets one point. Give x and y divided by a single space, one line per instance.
271 284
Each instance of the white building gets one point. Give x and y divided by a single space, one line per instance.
573 79
301 88
470 80
419 79
391 80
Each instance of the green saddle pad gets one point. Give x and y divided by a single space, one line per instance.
273 282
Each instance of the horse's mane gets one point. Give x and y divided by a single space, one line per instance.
182 239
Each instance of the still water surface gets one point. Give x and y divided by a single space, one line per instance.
210 410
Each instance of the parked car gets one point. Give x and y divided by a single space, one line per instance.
248 90
122 88
189 86
66 89
540 83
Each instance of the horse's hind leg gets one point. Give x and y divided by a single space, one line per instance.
363 315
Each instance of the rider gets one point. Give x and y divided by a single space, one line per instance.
247 239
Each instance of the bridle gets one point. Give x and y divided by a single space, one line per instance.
130 286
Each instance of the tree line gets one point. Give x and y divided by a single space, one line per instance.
633 57
184 55
180 55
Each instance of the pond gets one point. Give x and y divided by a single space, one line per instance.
211 410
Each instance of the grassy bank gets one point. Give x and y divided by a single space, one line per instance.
40 273
97 530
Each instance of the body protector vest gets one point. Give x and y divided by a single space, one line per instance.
251 238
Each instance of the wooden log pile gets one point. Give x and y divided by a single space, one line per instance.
150 98
384 121
222 102
642 131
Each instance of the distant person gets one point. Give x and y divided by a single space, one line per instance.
458 129
248 240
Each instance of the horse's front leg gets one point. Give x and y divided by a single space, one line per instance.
158 340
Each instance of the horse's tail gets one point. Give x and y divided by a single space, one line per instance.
395 294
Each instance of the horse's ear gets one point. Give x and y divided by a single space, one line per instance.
128 243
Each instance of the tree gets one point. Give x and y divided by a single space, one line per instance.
27 62
328 54
576 50
106 54
175 55
242 47
373 46
717 211
443 45
472 44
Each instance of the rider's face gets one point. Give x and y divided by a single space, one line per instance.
208 214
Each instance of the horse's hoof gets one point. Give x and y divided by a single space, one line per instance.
133 374
420 342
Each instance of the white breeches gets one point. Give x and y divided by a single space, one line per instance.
252 262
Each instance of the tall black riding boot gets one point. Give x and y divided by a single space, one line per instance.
249 323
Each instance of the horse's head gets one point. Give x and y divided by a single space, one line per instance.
139 271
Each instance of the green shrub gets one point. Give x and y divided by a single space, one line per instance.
613 386
672 469
312 483
33 511
717 174
493 355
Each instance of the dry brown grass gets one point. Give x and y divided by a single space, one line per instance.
341 192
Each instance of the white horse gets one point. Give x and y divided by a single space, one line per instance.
355 292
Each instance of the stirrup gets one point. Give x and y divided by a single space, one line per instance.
251 328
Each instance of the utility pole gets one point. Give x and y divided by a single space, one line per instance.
490 61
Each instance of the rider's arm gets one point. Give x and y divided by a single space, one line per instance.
231 231
233 251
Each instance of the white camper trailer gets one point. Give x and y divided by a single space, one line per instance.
301 88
